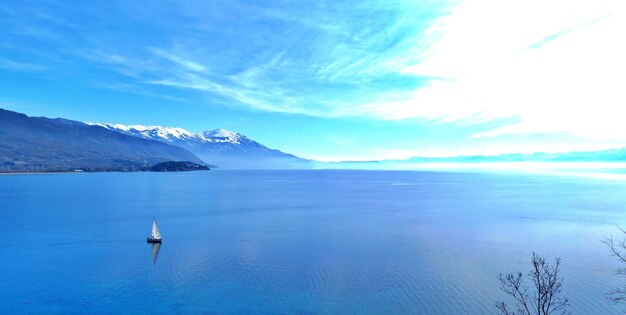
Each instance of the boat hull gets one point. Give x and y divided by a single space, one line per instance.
153 240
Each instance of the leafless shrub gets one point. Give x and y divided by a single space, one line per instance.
618 249
544 299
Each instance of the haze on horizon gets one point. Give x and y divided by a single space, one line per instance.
330 80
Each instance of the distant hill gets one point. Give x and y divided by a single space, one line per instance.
38 144
614 155
177 166
224 148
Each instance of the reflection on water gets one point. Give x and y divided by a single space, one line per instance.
300 242
155 251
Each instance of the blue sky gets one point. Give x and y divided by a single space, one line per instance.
329 80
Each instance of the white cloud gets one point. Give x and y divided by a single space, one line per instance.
21 66
187 64
557 66
546 66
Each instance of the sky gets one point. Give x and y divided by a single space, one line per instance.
330 80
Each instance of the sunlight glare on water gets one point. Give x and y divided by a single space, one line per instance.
299 241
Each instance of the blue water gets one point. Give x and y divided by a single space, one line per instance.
306 242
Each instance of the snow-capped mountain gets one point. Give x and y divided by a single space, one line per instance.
221 147
40 144
174 134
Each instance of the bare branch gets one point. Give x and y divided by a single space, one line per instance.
618 249
546 298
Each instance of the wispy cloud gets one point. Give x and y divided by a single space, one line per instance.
187 64
13 65
258 100
135 89
568 82
316 58
6 11
538 67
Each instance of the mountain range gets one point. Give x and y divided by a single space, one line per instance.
33 144
603 156
222 148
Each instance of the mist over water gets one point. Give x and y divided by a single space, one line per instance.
299 241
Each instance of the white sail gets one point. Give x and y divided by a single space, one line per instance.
155 231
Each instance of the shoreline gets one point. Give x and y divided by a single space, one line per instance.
37 173
70 172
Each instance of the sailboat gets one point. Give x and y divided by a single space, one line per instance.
155 236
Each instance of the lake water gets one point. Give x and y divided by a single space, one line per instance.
306 242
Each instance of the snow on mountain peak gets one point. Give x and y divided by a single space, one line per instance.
174 133
166 133
222 135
